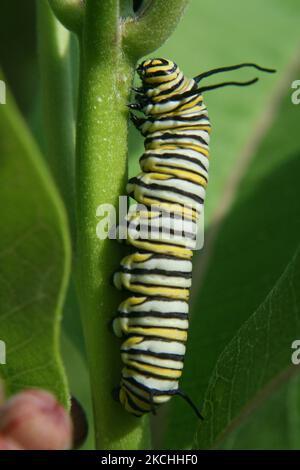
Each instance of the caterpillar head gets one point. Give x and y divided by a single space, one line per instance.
153 72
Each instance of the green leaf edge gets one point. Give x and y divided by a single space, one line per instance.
23 134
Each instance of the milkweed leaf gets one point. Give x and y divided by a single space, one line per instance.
255 361
35 262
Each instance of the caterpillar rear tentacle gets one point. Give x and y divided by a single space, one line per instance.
171 187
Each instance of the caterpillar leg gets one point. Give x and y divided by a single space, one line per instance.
135 106
138 90
138 122
116 394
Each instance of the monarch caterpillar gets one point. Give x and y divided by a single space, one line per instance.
158 274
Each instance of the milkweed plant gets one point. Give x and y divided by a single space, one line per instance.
88 51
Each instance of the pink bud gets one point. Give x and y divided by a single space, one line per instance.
36 421
8 444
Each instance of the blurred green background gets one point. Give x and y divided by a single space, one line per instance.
251 217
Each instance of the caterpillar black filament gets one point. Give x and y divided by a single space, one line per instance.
171 187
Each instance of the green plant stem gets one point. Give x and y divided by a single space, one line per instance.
57 103
105 81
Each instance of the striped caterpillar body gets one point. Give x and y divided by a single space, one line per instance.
171 187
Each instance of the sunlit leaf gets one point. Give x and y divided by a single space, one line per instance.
255 362
35 262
